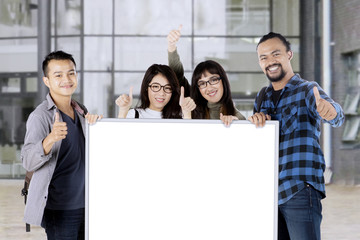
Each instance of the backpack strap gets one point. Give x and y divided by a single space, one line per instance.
136 113
24 192
259 100
79 107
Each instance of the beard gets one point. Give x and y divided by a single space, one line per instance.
276 78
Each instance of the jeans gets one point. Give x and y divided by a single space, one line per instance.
64 224
300 217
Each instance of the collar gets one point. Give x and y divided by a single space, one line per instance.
50 102
213 105
51 105
293 82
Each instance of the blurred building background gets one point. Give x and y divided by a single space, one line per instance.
114 42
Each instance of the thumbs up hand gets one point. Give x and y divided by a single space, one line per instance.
58 132
173 37
325 109
187 105
124 102
59 129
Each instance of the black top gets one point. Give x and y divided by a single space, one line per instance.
67 186
276 96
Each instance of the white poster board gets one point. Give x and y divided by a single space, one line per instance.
181 179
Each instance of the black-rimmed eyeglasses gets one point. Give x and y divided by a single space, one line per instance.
156 87
212 81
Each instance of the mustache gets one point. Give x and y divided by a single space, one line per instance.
276 64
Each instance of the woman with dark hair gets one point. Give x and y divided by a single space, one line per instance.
210 89
159 97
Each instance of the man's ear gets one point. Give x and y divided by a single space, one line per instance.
290 54
46 81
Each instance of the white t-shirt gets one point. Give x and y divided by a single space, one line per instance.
144 113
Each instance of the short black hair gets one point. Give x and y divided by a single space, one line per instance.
275 35
56 55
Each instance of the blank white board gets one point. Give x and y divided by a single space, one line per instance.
181 179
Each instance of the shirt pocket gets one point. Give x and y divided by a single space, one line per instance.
289 119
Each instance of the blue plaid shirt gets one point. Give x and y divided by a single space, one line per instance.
301 160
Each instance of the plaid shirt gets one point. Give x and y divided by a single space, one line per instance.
301 160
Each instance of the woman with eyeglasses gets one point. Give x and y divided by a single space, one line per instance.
210 89
160 97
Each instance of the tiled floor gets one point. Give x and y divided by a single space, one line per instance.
341 213
12 211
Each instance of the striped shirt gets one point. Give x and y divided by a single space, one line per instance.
301 161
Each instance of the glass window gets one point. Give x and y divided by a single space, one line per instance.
149 17
99 54
139 53
10 85
295 47
351 134
246 85
123 82
31 84
72 46
14 111
286 17
68 17
18 18
351 130
232 17
98 17
234 54
98 86
351 105
18 55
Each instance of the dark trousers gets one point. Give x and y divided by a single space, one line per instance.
64 224
300 217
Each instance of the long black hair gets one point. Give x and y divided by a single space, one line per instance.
202 111
172 109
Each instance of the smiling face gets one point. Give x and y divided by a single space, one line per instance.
212 93
274 60
61 78
158 100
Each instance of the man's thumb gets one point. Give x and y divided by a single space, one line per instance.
317 95
57 117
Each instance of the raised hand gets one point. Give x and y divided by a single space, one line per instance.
124 102
259 119
173 37
58 132
59 129
325 109
187 105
